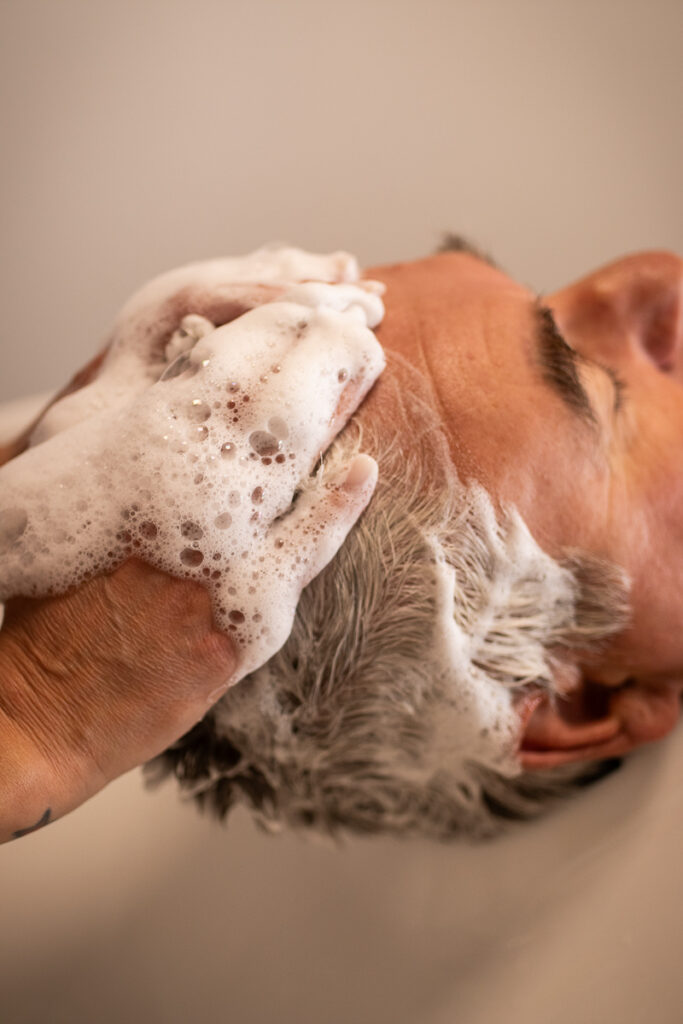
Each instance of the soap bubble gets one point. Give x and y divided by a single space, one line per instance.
188 556
191 530
278 427
264 443
199 411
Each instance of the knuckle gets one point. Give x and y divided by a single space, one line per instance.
218 652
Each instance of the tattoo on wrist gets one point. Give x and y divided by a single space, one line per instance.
33 828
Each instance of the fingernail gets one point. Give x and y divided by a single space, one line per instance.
361 470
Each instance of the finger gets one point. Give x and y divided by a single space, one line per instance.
285 359
143 348
216 291
360 299
309 538
191 329
223 289
271 265
81 379
368 285
325 376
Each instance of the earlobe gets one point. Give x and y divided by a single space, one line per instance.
558 730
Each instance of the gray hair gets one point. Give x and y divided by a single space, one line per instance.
349 726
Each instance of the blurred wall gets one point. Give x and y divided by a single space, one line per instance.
140 134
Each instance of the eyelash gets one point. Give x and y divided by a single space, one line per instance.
620 386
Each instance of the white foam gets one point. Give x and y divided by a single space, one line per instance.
485 649
271 273
189 472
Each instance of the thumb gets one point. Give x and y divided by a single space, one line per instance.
322 518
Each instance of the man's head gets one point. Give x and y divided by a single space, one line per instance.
565 409
570 408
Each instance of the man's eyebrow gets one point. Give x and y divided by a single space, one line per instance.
559 364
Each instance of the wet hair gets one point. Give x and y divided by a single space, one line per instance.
347 727
453 242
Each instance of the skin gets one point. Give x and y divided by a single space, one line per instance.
612 487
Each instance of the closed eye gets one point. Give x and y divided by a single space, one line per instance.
619 384
560 365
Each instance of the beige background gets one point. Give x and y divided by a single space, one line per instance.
141 135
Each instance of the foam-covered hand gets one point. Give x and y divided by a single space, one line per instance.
147 332
104 677
195 473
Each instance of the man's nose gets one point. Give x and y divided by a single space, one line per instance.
632 308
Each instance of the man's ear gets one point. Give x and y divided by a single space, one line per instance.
594 722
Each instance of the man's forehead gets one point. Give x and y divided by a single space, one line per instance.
448 296
445 281
471 332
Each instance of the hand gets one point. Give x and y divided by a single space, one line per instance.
104 677
153 479
100 679
112 672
